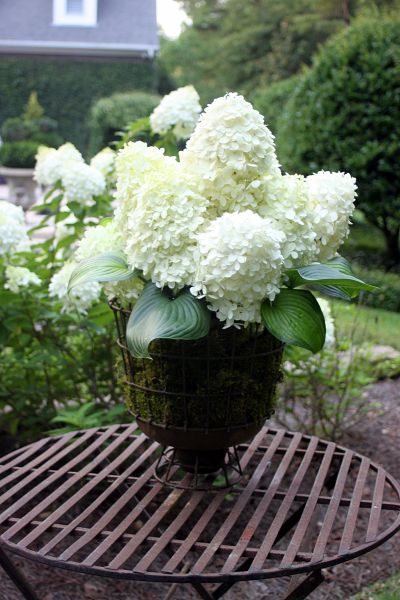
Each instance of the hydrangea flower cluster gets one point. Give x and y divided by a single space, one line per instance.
104 161
239 264
231 152
19 277
80 181
177 112
13 235
80 298
160 233
222 220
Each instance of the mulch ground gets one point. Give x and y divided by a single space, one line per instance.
376 437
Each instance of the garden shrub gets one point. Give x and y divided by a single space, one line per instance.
67 88
18 155
111 114
23 135
387 296
345 115
52 356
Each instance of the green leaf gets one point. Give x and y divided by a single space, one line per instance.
295 317
156 316
333 274
335 291
110 266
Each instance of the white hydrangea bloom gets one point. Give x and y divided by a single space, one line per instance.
240 264
330 338
13 235
331 199
82 182
160 233
12 211
134 164
231 150
19 277
178 111
287 202
99 239
104 162
80 297
50 163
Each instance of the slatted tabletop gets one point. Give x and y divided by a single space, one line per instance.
88 501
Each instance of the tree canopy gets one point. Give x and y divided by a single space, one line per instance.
344 114
236 45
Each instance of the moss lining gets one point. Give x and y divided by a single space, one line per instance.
228 378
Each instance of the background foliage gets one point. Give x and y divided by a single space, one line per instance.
21 136
111 114
67 88
240 46
345 115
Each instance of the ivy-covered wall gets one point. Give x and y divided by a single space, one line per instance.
67 88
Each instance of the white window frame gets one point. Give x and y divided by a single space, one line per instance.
88 18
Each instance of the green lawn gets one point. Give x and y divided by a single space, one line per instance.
364 324
383 590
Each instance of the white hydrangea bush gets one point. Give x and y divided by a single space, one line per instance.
221 222
178 112
65 166
18 278
13 234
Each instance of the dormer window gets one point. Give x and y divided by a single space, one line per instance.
75 13
74 7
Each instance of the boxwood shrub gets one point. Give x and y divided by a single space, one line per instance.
111 114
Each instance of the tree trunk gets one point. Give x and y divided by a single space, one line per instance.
392 246
346 11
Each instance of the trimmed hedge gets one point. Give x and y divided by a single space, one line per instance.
112 114
68 88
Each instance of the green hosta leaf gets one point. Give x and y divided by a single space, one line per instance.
156 316
110 266
295 317
337 274
335 291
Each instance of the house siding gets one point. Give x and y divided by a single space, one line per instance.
130 23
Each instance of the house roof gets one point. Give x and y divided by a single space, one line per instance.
124 28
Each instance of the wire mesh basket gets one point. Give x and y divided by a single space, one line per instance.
202 396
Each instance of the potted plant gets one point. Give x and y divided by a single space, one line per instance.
207 263
21 137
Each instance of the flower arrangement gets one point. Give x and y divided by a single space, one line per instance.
221 231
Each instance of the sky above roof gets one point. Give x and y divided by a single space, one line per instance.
170 17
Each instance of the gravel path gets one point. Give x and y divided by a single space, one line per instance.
376 437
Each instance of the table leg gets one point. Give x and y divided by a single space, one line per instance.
308 585
201 590
17 577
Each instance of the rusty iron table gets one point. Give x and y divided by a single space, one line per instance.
88 501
